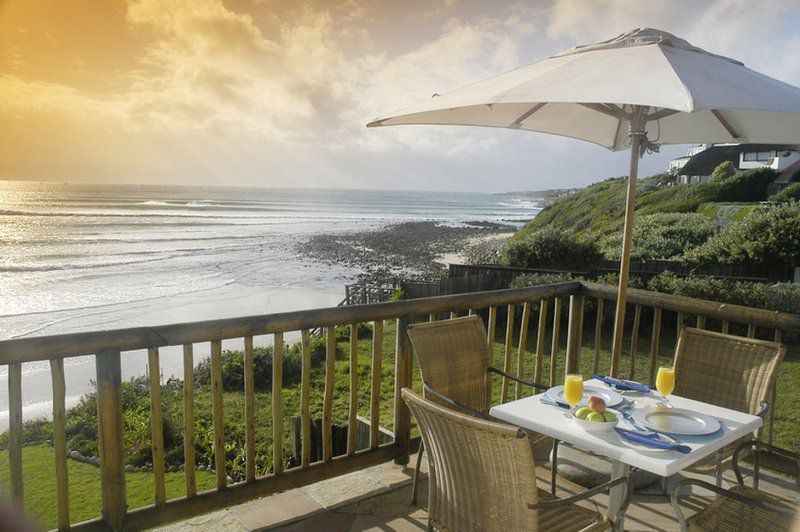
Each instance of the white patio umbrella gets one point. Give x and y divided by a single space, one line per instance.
636 91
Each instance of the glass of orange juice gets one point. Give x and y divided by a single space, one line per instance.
665 383
573 389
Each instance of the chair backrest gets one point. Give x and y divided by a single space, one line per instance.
453 358
482 473
725 370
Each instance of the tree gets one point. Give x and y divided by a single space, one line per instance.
722 172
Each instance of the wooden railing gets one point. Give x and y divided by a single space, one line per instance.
545 304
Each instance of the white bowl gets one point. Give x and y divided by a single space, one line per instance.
595 426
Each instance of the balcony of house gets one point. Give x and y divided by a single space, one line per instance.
326 385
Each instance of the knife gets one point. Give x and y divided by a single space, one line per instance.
552 402
623 384
658 444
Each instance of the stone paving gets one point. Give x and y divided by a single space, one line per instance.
379 499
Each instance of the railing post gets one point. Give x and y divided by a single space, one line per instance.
574 331
109 425
402 379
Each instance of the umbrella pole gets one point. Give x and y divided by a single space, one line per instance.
637 133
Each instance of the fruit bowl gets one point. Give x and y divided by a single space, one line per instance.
595 426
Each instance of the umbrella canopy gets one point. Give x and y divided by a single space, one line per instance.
635 91
692 96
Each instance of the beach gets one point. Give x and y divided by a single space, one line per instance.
81 258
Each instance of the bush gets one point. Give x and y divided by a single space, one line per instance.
233 365
363 331
537 279
767 234
747 187
725 170
551 247
783 297
790 193
487 251
662 236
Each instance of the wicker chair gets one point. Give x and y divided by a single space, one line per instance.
729 371
740 507
482 477
455 361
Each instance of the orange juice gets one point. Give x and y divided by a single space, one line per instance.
573 389
665 381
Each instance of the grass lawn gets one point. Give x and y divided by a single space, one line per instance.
84 486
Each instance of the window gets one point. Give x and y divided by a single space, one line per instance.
750 156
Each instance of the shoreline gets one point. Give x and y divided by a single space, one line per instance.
412 249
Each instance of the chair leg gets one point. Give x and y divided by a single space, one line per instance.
416 474
554 467
756 468
718 469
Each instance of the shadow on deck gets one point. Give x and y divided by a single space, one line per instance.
379 499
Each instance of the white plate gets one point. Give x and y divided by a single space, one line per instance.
642 448
611 397
676 421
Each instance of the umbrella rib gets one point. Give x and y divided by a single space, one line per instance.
613 111
732 132
516 124
661 114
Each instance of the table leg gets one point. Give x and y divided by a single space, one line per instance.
616 495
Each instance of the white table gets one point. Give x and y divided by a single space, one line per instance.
532 414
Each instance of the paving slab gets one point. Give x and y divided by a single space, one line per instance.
351 487
276 510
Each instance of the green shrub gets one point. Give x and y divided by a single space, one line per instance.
767 234
747 187
363 331
723 171
783 297
537 279
551 247
661 236
790 193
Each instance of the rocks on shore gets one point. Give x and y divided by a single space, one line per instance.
409 248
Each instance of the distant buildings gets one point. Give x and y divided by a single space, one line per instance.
701 160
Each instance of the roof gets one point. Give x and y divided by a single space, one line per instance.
707 160
790 174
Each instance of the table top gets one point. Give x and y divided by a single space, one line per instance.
532 414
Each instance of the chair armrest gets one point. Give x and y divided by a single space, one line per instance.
556 503
464 409
532 384
759 445
763 409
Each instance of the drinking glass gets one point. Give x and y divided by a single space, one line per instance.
665 383
573 389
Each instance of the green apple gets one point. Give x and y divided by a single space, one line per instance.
595 417
582 412
609 416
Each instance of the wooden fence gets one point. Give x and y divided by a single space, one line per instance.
546 303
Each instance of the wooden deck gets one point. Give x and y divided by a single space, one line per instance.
378 499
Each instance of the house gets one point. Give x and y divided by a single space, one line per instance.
678 163
698 167
789 175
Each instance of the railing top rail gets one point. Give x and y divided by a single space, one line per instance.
713 309
76 344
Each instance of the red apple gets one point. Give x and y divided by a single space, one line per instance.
597 404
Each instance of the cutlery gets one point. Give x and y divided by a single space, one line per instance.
552 402
623 384
658 444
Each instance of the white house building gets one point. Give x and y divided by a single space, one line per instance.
701 160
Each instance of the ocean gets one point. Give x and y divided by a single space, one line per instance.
79 257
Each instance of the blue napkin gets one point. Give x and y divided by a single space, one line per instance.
658 444
623 385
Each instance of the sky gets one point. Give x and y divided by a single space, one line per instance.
276 93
